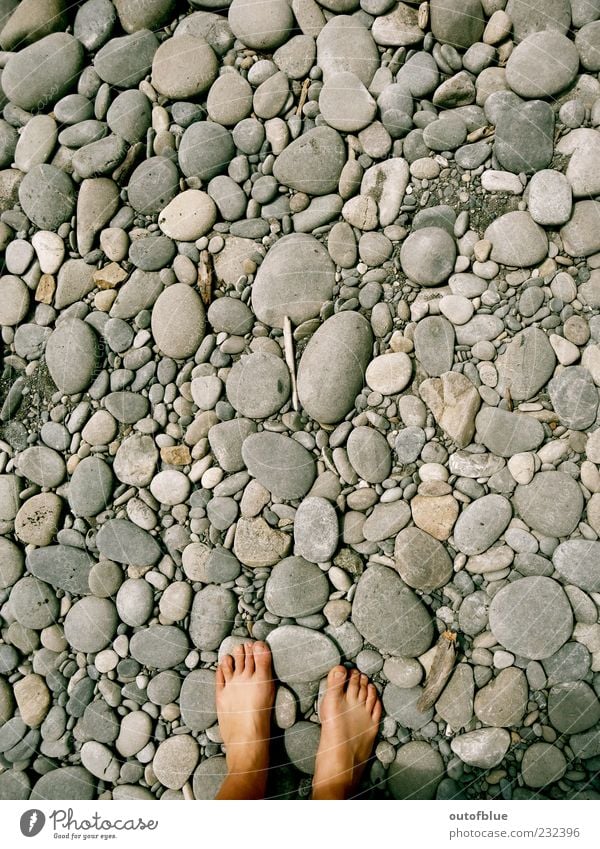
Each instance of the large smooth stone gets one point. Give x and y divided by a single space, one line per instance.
63 566
531 617
313 162
484 748
212 617
526 364
41 74
421 560
295 279
517 240
389 615
416 771
178 321
345 44
121 540
551 504
300 654
71 354
332 368
542 65
578 561
457 22
159 646
296 588
279 463
506 433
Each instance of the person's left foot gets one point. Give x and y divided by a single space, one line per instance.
245 695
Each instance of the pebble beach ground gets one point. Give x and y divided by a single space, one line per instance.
300 313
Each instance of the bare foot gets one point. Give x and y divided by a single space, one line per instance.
350 714
245 695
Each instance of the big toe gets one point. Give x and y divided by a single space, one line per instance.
335 681
262 658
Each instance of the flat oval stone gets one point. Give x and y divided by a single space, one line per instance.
209 777
90 487
389 373
135 601
301 743
183 67
345 103
212 617
38 519
261 24
421 560
63 566
124 542
484 748
130 115
159 646
33 603
503 701
178 321
574 397
127 407
313 162
542 65
47 196
401 704
71 355
434 344
345 44
42 466
189 216
542 764
41 74
416 771
296 588
206 150
428 255
197 699
135 460
295 279
517 240
573 707
481 523
389 615
531 617
300 654
66 782
153 184
369 454
125 61
281 464
551 504
91 624
316 529
258 385
578 561
526 365
332 368
507 433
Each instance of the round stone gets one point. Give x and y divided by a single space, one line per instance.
296 588
209 777
531 617
542 764
135 601
481 523
34 604
261 24
184 67
258 385
301 742
212 617
551 504
188 216
503 702
178 321
47 196
153 185
345 103
42 466
135 460
296 279
428 256
197 699
316 530
71 355
313 162
124 542
421 560
91 624
401 704
39 75
389 373
300 654
279 463
389 615
369 454
578 561
90 487
14 300
332 368
517 240
130 115
542 65
175 760
229 100
170 487
159 646
206 150
573 707
416 772
125 61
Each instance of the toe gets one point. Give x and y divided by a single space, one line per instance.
353 684
262 658
226 667
248 658
362 692
371 697
377 712
335 684
219 679
239 656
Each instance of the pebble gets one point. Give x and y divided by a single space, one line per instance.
484 748
296 588
300 654
258 385
416 771
279 463
421 561
178 321
316 530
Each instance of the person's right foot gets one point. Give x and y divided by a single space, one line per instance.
350 714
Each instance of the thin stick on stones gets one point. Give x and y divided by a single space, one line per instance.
303 96
288 341
441 668
205 277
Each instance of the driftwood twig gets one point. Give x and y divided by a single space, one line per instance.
441 669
